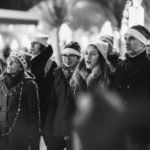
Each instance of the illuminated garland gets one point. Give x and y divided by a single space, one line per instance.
11 92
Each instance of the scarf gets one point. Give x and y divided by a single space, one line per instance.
12 81
67 71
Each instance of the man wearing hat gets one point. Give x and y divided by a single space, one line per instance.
61 108
19 105
132 82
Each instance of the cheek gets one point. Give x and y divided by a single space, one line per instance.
134 45
73 62
63 60
17 67
94 60
36 48
85 57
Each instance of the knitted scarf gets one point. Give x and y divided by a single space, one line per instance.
67 71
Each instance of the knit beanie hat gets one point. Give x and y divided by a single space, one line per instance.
72 48
102 47
108 39
23 58
140 33
40 38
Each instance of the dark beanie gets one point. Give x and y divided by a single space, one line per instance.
73 48
140 33
142 30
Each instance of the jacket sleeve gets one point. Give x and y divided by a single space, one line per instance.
32 98
34 113
50 115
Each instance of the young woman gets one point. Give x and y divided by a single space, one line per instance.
93 70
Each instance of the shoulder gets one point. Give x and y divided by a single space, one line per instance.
29 81
121 63
30 84
58 72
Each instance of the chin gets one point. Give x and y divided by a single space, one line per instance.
89 67
67 65
8 71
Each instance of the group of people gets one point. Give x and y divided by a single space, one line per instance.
92 101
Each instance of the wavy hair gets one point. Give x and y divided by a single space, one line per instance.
99 76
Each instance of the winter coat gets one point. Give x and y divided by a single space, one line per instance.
132 82
19 112
38 69
61 106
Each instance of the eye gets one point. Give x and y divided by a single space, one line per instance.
93 53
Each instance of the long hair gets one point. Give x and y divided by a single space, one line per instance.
99 72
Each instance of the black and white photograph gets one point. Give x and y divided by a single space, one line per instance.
74 74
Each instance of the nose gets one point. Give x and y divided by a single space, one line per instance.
89 56
9 63
68 58
127 40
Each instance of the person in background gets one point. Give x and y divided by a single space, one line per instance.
93 70
113 56
19 105
99 122
4 54
3 65
132 82
41 53
61 107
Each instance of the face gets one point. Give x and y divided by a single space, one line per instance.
91 57
35 48
133 45
70 60
13 65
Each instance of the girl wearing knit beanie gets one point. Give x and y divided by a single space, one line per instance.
93 69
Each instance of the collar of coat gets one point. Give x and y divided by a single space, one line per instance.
11 81
136 65
137 58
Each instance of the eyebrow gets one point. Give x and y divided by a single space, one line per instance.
93 52
130 36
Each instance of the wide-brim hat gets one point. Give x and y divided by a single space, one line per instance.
40 38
